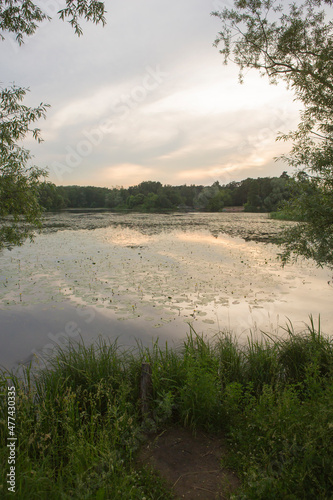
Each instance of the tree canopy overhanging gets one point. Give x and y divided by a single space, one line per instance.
20 211
18 181
294 44
22 17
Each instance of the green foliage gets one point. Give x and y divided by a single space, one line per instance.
134 201
294 43
23 17
312 203
151 202
290 42
283 445
302 354
79 422
78 428
19 207
266 194
281 191
90 10
215 204
20 190
49 197
165 197
209 198
200 393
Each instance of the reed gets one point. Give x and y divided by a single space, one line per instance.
79 423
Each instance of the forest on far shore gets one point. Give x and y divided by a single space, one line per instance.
264 194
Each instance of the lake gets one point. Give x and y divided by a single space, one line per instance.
149 276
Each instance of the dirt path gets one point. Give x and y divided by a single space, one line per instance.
191 465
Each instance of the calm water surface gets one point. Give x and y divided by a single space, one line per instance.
150 276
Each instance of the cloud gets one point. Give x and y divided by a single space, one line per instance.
130 173
173 109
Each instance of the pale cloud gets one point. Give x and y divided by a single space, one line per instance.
119 100
130 173
222 97
88 108
228 172
174 111
212 172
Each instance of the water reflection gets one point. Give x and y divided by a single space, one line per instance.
151 276
257 227
33 333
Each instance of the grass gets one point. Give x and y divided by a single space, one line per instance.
283 215
79 423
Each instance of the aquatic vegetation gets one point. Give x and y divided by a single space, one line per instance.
174 269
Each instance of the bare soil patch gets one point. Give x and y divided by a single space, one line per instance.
190 464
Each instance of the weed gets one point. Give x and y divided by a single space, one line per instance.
79 422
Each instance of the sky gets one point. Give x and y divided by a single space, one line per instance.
147 97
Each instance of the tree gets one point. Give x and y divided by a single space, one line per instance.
294 44
202 200
20 211
134 201
280 192
254 200
312 202
18 182
22 17
151 202
49 196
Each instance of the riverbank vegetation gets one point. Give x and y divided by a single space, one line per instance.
79 423
254 195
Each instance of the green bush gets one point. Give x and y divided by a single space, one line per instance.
80 426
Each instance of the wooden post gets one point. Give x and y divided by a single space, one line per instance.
146 387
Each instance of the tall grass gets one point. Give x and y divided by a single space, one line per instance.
80 426
285 216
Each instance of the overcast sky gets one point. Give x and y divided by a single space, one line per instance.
147 97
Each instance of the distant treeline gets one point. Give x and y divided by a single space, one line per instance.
255 195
